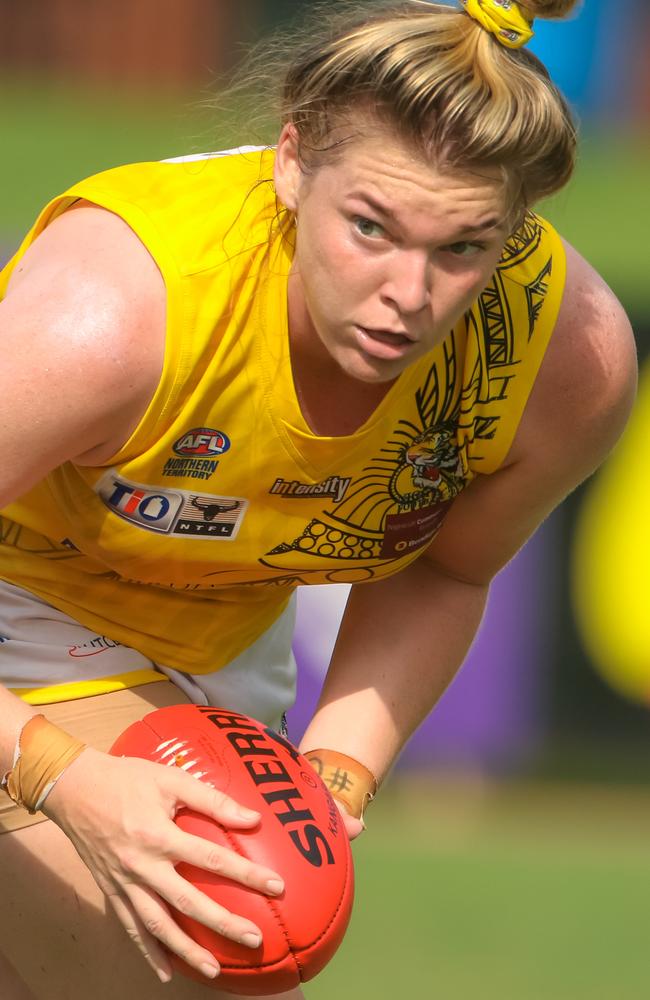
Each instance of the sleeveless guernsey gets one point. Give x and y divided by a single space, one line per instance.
188 542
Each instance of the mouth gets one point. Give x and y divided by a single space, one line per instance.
384 343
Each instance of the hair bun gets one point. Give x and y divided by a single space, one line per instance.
548 8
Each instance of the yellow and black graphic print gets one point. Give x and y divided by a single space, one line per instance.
22 539
520 248
501 326
394 507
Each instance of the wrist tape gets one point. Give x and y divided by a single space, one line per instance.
43 752
348 781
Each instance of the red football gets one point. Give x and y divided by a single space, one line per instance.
301 836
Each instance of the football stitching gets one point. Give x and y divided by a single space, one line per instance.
236 845
335 914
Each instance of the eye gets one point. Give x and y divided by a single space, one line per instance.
465 249
368 228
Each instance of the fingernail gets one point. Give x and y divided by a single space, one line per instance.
210 970
251 940
247 813
275 886
164 977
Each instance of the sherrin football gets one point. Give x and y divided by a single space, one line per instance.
301 836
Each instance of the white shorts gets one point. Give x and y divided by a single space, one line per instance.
41 646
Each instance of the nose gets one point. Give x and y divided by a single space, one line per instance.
408 282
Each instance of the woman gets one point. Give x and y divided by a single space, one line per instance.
358 358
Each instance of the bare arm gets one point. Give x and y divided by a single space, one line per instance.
83 329
403 639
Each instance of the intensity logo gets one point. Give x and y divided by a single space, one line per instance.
333 488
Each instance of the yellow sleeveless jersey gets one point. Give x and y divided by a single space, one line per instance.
187 544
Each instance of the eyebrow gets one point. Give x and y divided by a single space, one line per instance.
375 205
492 223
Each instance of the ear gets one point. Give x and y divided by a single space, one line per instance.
287 172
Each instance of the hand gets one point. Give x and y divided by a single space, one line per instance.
118 812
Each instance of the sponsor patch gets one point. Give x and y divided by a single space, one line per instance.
333 488
172 512
201 441
406 532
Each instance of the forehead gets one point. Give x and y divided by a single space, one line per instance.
388 170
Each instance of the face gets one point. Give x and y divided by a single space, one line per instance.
390 252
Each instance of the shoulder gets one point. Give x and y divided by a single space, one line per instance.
95 240
576 412
586 385
85 313
89 267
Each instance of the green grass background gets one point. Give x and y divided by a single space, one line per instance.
511 891
466 889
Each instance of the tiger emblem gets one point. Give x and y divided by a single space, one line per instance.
435 464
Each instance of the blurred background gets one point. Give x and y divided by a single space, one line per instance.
508 853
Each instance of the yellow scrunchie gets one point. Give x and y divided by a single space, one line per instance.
503 19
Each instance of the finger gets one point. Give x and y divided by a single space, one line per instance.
187 899
354 827
208 800
154 954
159 924
222 861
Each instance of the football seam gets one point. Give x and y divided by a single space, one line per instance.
325 930
238 848
307 947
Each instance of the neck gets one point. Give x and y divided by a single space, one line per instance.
332 403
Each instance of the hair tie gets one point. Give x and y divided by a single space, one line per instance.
503 19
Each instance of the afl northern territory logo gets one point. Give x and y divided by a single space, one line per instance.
202 441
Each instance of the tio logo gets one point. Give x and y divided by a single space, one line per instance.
148 508
202 441
172 512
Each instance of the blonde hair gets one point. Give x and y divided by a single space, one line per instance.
441 81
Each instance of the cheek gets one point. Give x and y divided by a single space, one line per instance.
319 248
340 251
475 281
336 260
457 290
